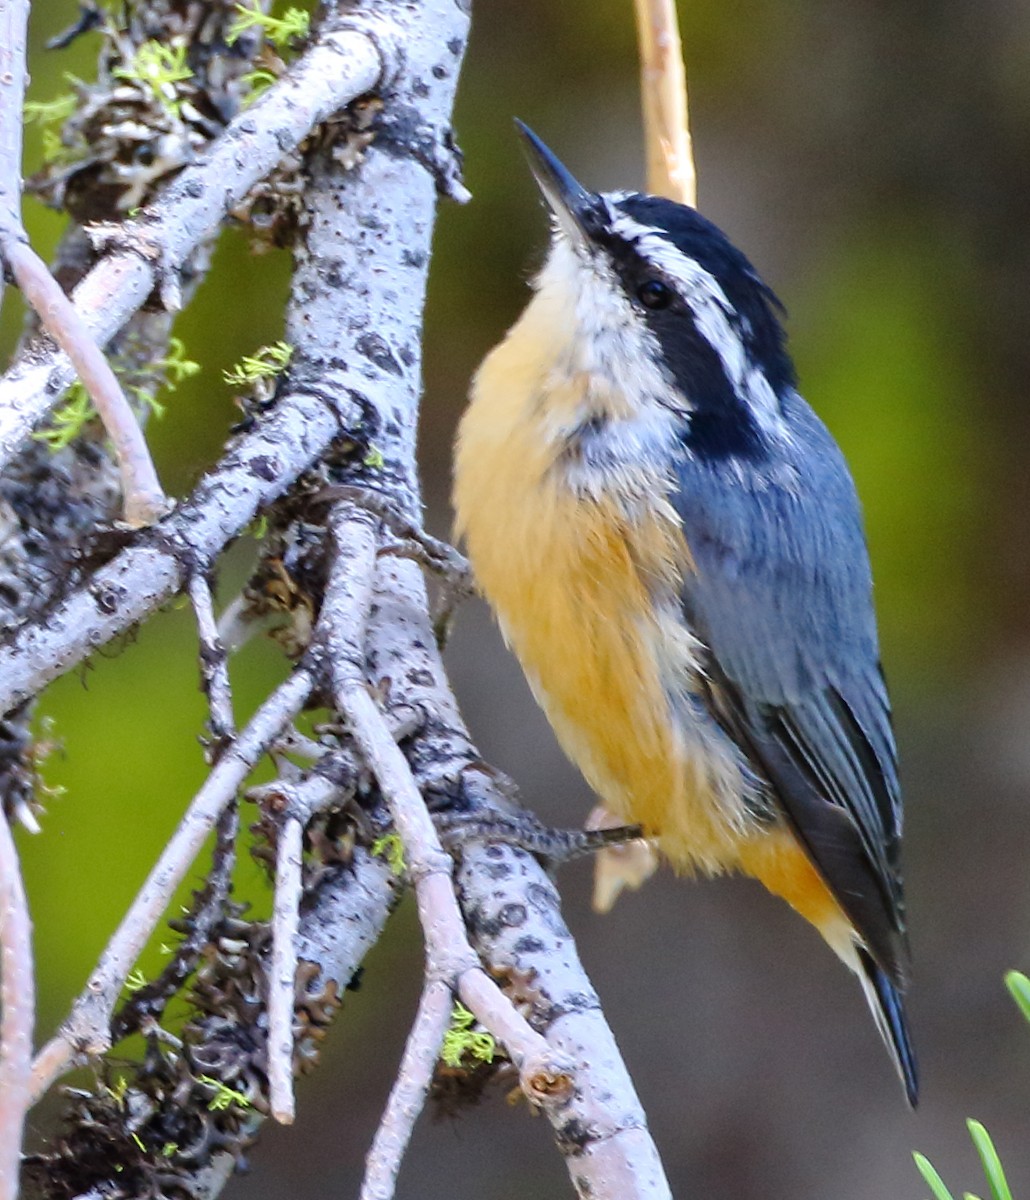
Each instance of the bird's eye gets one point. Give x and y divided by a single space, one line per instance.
654 294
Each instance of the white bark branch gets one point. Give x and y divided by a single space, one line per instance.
145 501
408 1095
87 1029
256 469
517 927
333 72
17 1011
214 664
282 973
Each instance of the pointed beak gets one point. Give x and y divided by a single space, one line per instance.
579 213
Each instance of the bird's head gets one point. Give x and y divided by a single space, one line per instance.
667 308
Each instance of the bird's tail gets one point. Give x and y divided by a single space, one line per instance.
888 1011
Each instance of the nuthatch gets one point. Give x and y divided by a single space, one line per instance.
672 544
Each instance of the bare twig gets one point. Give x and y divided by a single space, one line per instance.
86 1031
512 911
17 1011
339 67
282 974
214 663
146 1005
663 92
408 1095
14 17
255 470
449 957
145 501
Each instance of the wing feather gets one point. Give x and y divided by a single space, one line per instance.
782 598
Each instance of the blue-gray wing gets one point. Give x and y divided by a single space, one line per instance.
781 597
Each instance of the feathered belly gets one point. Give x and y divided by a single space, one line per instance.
587 600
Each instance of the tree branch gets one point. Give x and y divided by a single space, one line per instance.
17 1011
87 1029
147 251
408 1095
256 469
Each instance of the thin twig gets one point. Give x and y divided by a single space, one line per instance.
148 1003
408 1094
512 910
255 470
17 1011
87 1029
214 663
282 974
663 93
339 67
545 1075
14 17
145 501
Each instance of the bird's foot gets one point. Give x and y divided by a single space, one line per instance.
557 846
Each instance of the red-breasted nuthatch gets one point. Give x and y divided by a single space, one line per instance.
673 547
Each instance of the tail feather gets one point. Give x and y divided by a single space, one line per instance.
888 1011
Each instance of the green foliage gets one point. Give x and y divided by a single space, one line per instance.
989 1160
462 1041
257 82
390 847
224 1096
265 363
933 1181
292 26
1019 986
69 420
136 980
158 68
48 116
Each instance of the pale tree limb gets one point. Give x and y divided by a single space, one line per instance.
87 1028
282 972
512 911
147 251
17 1011
145 502
449 957
663 93
601 1127
255 470
214 664
408 1094
14 18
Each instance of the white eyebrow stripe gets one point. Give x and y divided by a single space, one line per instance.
711 310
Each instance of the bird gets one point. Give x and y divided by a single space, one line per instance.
672 545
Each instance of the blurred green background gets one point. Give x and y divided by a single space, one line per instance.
871 160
